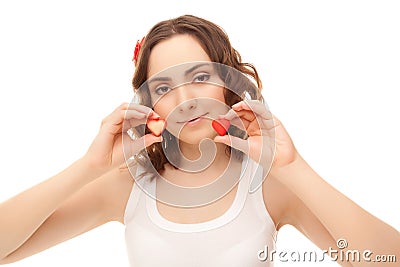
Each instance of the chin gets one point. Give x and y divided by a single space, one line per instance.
195 137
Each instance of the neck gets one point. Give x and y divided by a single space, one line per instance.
205 155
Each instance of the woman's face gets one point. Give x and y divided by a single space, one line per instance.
185 89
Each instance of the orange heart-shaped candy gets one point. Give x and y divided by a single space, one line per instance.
156 126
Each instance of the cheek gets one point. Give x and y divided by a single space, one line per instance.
165 108
221 96
162 109
218 102
216 92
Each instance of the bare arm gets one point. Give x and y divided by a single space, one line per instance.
91 206
269 143
325 204
287 209
23 214
31 220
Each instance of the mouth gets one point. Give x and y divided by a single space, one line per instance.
194 120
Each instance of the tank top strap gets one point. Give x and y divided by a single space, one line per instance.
256 196
136 192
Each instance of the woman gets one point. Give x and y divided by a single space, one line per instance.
96 189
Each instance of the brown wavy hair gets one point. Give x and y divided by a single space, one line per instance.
216 44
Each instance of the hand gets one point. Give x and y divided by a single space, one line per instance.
107 150
268 141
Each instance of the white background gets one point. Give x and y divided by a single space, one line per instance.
330 71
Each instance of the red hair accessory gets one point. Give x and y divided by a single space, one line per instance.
137 49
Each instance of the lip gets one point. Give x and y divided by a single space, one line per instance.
195 120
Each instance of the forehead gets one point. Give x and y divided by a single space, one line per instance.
173 51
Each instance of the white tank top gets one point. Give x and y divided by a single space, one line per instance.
238 238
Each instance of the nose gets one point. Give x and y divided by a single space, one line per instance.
186 101
188 105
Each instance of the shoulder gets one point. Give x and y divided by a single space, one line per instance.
115 188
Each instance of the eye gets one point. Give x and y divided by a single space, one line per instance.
201 77
163 89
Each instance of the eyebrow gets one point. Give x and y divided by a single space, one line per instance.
195 67
187 72
159 79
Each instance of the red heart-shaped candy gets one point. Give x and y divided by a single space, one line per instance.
221 126
156 126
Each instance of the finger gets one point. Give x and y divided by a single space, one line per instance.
116 117
123 106
255 106
239 123
132 123
246 115
150 139
122 120
133 111
133 114
273 123
141 113
260 110
240 119
134 118
130 118
133 106
230 115
133 147
234 142
137 117
144 109
139 107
